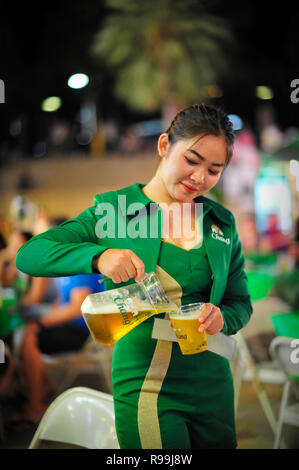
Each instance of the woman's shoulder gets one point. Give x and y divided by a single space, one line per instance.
224 214
111 196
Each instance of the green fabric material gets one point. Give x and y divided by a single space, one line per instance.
195 404
190 268
196 394
198 389
70 248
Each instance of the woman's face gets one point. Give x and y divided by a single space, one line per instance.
190 168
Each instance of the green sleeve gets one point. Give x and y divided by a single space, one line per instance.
64 250
236 305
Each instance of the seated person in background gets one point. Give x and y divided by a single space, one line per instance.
61 330
273 239
293 249
8 270
248 233
287 285
10 321
7 366
33 294
42 291
7 370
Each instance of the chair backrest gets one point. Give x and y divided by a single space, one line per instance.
285 351
80 416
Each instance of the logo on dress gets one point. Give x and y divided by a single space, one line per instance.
217 234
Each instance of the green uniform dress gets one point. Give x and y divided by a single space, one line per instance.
185 401
162 398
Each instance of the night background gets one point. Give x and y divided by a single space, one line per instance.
61 144
42 45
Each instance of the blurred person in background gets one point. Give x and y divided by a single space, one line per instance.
294 245
248 233
273 239
60 330
9 272
7 370
8 366
287 284
31 292
42 291
51 309
28 298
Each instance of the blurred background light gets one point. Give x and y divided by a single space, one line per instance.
15 128
148 128
272 196
78 80
264 93
39 149
84 137
236 121
212 91
51 104
294 169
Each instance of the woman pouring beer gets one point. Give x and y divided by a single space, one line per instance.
162 398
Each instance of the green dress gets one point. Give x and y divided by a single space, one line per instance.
173 401
162 398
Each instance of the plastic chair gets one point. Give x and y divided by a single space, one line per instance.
92 359
80 416
245 364
283 349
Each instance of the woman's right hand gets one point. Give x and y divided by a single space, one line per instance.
120 265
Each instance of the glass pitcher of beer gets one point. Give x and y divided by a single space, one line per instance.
111 314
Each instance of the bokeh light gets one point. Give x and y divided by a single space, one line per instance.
51 104
78 80
236 121
212 91
264 92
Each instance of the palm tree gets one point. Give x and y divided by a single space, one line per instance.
163 52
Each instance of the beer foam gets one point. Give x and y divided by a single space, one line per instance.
91 307
184 316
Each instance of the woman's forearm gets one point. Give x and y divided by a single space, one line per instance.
47 258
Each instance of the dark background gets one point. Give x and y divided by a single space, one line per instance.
42 44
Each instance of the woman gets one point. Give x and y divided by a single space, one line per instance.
163 399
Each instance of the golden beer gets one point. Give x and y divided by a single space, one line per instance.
108 327
111 314
186 326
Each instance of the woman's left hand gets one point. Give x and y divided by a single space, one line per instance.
211 319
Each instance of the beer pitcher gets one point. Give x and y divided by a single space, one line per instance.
111 314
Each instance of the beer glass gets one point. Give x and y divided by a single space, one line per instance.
185 323
111 314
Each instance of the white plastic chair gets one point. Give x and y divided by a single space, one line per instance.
244 365
283 350
80 416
